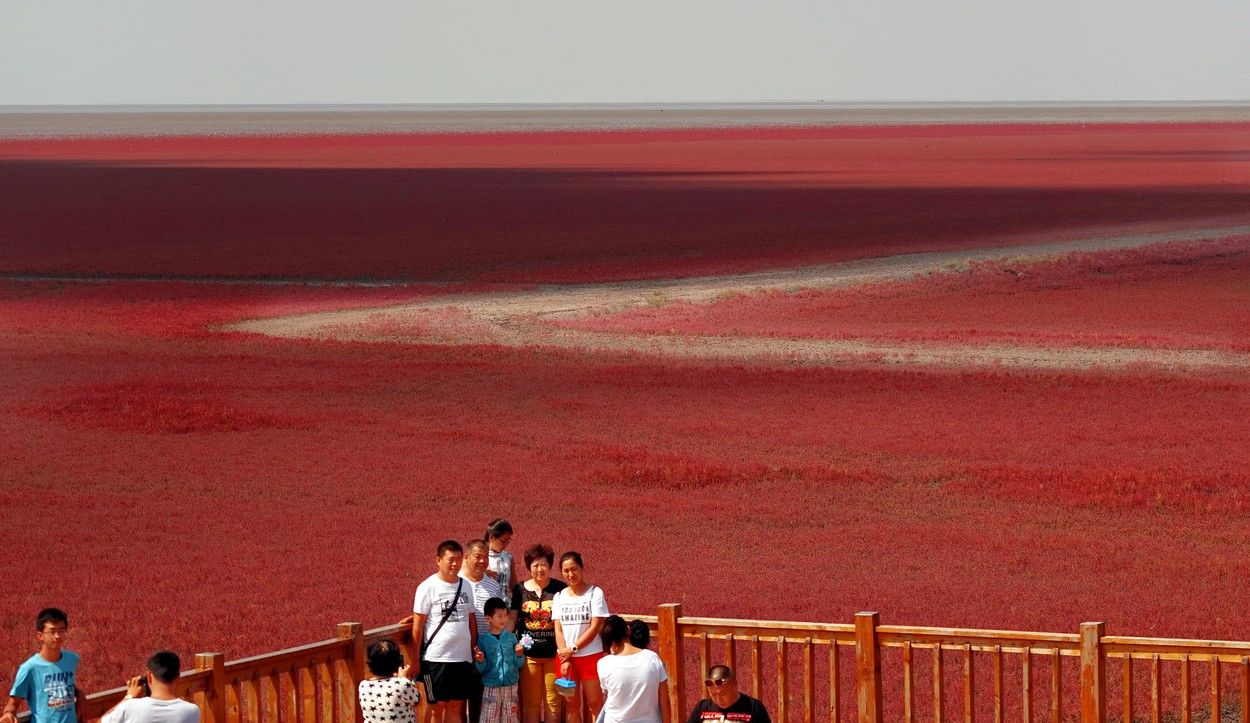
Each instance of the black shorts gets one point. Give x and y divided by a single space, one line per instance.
451 681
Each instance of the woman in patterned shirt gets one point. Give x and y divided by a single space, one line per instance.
531 601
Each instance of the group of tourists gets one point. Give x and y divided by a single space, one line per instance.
487 647
571 651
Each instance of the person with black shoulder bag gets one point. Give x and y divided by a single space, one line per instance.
445 630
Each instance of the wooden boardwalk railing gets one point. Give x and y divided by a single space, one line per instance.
808 672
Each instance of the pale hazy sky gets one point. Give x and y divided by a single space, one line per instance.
547 51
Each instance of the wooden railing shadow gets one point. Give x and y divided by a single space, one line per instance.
809 672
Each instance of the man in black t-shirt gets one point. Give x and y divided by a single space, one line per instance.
724 704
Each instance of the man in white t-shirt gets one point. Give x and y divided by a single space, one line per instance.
443 621
161 704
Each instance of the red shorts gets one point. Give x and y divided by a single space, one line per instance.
586 667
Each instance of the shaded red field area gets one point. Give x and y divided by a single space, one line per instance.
1181 296
174 487
593 206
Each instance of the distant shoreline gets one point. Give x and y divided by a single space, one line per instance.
18 122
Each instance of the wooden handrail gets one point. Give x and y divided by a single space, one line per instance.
316 682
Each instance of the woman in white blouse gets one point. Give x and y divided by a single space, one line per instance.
579 612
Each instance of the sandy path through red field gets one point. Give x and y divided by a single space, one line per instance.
516 318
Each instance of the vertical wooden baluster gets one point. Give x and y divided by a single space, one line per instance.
251 700
214 706
291 697
1215 689
908 714
1056 686
1128 688
340 709
730 658
273 688
1093 676
937 683
809 682
307 695
353 670
969 693
868 667
325 692
1026 675
1245 688
1185 689
781 677
672 638
834 713
234 702
756 678
998 684
269 698
1156 702
704 654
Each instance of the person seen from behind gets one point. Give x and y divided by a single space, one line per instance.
579 612
388 695
150 698
46 680
532 601
635 684
724 703
503 658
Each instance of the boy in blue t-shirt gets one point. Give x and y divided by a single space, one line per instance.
46 680
500 666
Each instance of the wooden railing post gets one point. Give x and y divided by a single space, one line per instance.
674 657
215 692
868 667
1093 703
355 632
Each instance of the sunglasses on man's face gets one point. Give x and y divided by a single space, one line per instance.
718 682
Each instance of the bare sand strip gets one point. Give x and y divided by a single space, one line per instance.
515 318
199 120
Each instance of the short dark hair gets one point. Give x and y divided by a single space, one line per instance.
384 657
165 666
570 555
639 634
615 630
497 527
537 552
493 606
50 615
447 546
475 544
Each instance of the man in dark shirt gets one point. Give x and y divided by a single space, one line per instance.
724 703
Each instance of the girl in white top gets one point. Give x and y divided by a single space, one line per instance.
498 536
635 684
578 612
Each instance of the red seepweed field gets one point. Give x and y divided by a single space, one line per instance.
173 482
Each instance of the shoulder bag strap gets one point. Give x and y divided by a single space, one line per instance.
455 601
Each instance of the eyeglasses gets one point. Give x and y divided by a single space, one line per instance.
718 682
